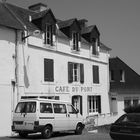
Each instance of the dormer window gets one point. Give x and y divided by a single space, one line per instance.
75 41
49 35
95 46
122 76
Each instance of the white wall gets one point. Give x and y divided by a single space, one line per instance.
7 73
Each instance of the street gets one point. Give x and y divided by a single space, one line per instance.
66 136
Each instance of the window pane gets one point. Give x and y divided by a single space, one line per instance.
127 103
45 108
20 108
71 109
59 108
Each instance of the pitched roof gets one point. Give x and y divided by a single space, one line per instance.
104 47
66 23
22 15
89 29
7 19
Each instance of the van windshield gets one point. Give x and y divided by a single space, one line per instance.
26 107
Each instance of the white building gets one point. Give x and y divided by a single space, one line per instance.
66 61
10 30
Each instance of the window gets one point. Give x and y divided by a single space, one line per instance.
45 108
122 76
127 103
48 70
131 101
75 38
71 109
75 72
59 108
49 35
95 74
26 107
95 50
94 104
111 75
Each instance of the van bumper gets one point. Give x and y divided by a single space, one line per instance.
38 128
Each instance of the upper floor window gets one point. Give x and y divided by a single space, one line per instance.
95 50
75 72
111 75
48 70
122 76
75 41
95 74
48 39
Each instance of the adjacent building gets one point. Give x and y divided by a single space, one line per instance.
124 86
65 61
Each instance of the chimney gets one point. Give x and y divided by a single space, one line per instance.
82 23
39 7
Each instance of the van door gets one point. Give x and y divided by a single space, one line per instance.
46 115
72 117
25 116
61 119
30 115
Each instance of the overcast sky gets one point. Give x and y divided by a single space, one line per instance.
117 20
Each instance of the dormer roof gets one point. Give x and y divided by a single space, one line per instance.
90 29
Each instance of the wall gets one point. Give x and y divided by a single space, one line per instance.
7 71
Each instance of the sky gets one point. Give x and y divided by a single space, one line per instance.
117 20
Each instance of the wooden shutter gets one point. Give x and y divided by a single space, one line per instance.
48 70
81 73
99 103
70 72
95 74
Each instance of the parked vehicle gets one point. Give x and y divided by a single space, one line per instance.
45 116
126 127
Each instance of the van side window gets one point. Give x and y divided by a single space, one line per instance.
60 108
45 108
30 107
71 109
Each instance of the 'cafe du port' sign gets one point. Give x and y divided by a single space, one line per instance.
69 89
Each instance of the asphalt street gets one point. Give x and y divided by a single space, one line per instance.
66 136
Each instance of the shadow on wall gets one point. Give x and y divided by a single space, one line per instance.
26 79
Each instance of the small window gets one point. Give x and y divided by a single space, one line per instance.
95 50
45 108
71 109
49 35
75 38
75 72
59 108
112 75
122 76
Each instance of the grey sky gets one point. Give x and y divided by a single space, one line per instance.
117 20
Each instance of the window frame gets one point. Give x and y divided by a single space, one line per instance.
75 41
48 36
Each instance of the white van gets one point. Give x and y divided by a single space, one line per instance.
46 116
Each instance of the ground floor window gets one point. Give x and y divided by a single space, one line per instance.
131 102
94 104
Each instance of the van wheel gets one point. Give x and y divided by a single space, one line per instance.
79 129
23 134
47 132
